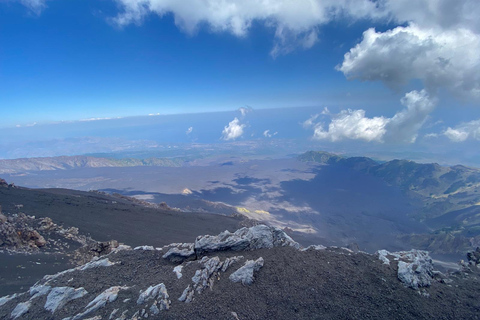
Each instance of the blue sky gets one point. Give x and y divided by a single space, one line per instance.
69 63
415 76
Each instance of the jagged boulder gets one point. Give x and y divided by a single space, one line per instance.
245 273
159 294
180 252
204 277
20 309
244 239
257 237
60 296
109 295
415 267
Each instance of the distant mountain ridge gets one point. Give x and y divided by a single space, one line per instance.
71 162
450 195
429 180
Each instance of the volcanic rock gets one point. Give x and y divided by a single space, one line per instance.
244 239
245 273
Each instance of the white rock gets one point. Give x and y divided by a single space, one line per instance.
109 295
95 264
245 273
148 248
38 291
179 253
205 277
314 247
154 309
59 296
5 299
112 314
187 295
158 293
20 309
415 267
178 271
382 255
121 247
257 237
230 261
415 274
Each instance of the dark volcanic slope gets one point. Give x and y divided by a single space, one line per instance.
329 283
105 218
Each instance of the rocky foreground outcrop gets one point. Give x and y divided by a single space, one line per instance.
21 233
253 273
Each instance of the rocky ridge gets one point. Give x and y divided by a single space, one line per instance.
253 273
71 162
21 233
449 197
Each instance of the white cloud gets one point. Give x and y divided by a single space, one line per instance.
233 131
36 6
352 124
189 130
464 131
441 14
267 134
325 111
310 122
402 127
431 135
295 22
245 110
440 59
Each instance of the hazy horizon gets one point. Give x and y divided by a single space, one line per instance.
379 76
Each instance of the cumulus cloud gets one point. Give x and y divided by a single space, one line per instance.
295 22
355 125
189 130
404 125
464 131
233 131
267 134
441 14
352 124
439 58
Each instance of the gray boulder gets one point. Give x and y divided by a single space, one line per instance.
180 253
60 296
20 309
206 275
257 237
415 267
245 273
